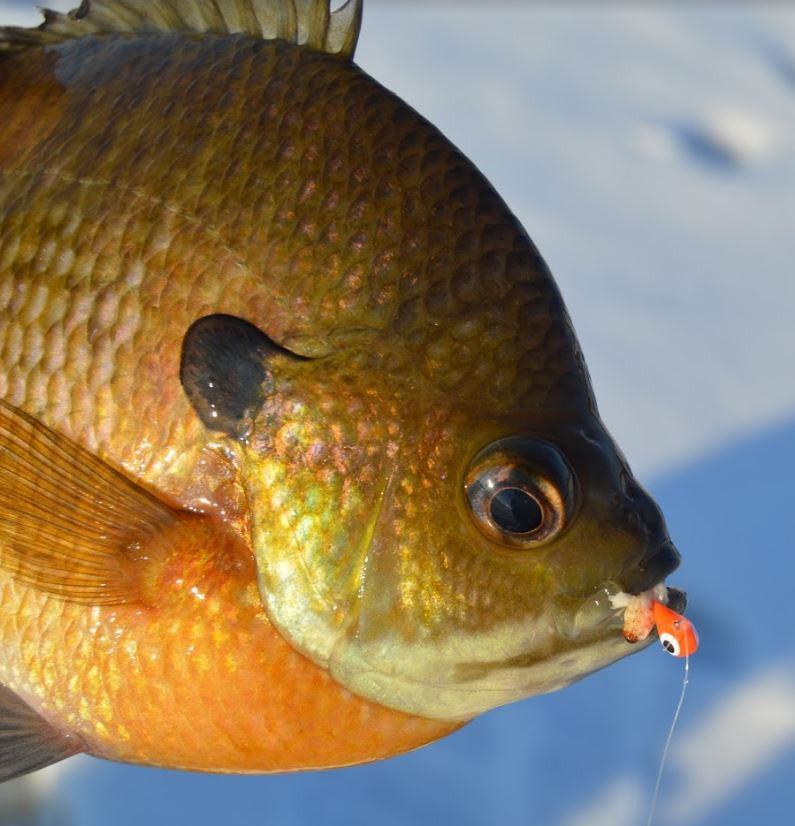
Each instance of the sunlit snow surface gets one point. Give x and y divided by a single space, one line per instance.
651 155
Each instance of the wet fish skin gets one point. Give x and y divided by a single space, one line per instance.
85 248
172 661
170 177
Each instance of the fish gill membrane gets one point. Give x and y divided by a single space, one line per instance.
300 463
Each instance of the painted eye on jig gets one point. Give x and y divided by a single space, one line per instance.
677 634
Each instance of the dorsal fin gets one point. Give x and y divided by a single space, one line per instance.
309 22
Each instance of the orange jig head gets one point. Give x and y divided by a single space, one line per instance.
677 634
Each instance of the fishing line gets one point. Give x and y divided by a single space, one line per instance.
664 758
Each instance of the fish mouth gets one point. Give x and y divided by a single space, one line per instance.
652 570
597 615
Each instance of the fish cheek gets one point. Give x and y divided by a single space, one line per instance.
224 370
316 473
436 596
450 622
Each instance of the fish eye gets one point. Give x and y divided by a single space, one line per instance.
516 510
520 492
670 644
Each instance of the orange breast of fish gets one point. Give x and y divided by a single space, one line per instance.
202 681
149 182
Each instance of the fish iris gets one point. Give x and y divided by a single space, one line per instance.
520 491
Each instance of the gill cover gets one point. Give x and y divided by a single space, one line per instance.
370 560
224 371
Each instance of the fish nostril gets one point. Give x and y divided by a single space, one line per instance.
635 518
630 488
636 510
624 481
636 522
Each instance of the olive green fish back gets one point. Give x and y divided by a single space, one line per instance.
359 217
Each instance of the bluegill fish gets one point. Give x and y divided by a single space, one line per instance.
300 465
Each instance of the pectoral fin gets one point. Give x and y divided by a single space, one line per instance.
27 741
71 525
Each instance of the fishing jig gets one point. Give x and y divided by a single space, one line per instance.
679 638
677 634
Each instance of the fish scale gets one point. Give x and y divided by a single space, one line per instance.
177 689
228 205
116 349
268 331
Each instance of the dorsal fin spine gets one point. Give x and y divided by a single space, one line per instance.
303 22
312 19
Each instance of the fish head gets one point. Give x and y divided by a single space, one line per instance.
435 554
438 515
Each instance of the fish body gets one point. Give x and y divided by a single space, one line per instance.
354 489
192 674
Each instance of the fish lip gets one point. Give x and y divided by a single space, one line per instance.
652 570
598 619
677 599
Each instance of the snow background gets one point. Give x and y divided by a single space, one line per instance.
649 151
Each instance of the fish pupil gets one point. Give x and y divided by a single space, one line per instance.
515 511
668 646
